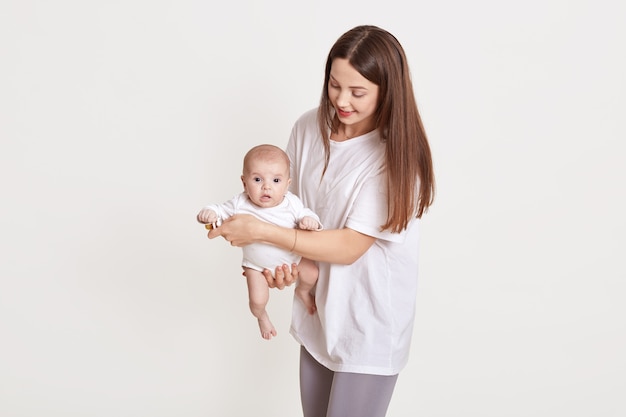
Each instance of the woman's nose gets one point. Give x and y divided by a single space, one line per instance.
343 99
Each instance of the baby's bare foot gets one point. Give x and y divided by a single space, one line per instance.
267 328
307 298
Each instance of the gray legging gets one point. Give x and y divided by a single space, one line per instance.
325 393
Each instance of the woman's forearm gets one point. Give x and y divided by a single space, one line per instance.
342 246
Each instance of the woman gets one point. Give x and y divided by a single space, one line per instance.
362 162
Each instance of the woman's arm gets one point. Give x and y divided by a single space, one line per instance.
339 246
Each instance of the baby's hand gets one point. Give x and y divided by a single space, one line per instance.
207 216
308 223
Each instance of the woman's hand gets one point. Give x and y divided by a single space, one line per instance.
283 277
239 230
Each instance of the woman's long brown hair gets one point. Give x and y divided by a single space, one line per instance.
378 56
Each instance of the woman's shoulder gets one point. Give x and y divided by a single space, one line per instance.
309 117
306 129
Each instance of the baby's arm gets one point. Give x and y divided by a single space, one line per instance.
309 223
214 214
207 216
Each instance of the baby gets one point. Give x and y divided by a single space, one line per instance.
265 182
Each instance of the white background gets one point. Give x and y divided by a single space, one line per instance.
120 119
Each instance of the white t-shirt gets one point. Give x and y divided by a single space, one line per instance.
365 311
260 256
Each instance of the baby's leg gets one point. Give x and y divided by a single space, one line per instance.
307 277
258 295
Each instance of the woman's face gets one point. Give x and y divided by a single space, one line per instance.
354 97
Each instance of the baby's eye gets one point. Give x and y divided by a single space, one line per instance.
276 180
256 179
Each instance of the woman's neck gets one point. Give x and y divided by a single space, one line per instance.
347 132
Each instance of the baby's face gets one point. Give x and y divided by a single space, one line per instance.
266 182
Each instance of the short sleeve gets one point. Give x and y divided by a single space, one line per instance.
369 211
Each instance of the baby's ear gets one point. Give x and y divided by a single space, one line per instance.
243 182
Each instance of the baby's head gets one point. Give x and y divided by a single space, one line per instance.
266 175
